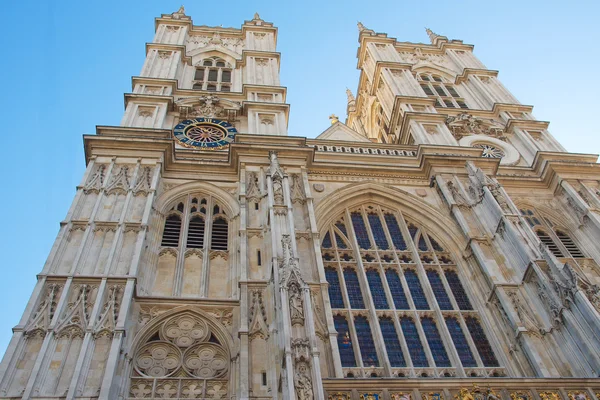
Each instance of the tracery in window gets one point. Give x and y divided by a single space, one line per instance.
489 150
554 238
444 92
214 74
392 345
185 236
344 341
411 278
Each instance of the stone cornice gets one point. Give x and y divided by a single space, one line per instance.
474 71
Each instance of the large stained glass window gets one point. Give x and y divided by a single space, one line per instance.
458 290
377 291
360 230
392 345
415 348
344 341
378 232
395 232
435 342
396 289
416 290
335 291
353 288
365 340
403 259
481 342
460 343
438 290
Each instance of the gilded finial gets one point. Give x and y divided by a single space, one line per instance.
333 118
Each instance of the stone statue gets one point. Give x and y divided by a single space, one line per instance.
296 309
302 383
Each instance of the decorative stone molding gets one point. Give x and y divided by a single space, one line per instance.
297 190
119 182
96 181
144 182
365 150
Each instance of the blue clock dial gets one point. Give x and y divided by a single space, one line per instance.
204 133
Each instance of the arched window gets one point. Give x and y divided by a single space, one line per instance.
555 239
172 231
417 297
444 92
201 243
213 74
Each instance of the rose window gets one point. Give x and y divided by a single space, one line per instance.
489 151
206 361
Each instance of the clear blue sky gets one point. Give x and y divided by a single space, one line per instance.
67 64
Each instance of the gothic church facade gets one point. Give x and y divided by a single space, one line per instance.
440 244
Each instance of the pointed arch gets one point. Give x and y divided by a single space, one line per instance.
165 200
210 51
441 226
426 66
221 334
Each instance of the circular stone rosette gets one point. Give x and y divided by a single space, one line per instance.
204 133
206 360
158 359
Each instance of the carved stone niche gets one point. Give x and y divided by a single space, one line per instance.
207 106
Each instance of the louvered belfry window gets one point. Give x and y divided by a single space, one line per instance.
195 210
393 286
558 242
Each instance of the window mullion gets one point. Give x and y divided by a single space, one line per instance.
206 250
178 278
469 339
408 240
366 291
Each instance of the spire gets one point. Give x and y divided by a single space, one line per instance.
256 16
434 37
351 98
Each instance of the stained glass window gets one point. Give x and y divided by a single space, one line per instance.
344 341
392 345
481 342
436 245
353 288
365 340
435 342
395 232
396 289
460 343
340 225
438 289
340 242
378 232
335 292
412 230
422 244
360 230
458 290
326 241
377 291
413 342
416 291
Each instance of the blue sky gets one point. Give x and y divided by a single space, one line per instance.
67 64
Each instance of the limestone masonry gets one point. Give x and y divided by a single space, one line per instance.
438 245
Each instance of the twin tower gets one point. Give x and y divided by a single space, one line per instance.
438 245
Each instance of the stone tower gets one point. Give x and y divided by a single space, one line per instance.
440 244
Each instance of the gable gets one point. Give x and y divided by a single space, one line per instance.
340 131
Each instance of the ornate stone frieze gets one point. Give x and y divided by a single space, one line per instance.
476 393
223 315
216 40
465 124
365 150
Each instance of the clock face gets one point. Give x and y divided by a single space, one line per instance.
204 133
